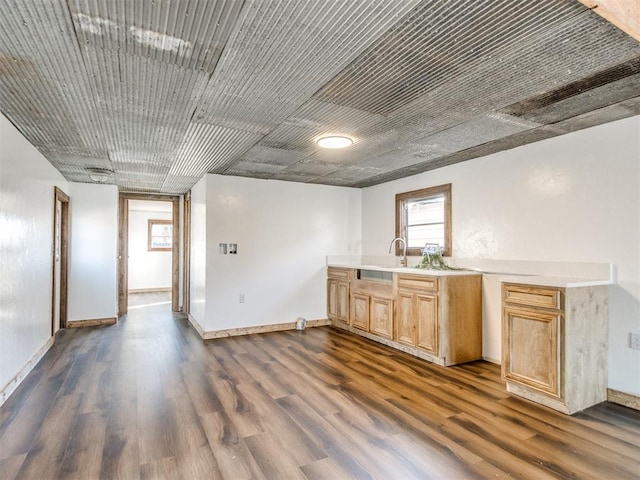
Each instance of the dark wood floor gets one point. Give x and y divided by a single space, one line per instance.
146 398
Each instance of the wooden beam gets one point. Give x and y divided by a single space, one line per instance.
624 14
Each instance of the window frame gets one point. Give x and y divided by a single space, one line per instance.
401 217
151 222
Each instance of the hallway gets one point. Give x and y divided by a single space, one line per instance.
146 398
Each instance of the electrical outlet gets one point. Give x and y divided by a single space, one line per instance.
242 298
635 340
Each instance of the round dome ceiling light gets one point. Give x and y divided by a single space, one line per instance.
334 141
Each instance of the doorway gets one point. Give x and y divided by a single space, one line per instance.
60 260
162 235
149 249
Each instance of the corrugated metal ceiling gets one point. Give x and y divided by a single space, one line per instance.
163 91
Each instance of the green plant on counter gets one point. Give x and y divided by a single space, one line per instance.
432 258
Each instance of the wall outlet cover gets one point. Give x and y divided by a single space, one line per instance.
635 340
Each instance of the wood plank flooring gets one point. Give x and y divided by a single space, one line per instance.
146 398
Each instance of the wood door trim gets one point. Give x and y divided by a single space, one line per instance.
123 250
59 195
123 253
186 252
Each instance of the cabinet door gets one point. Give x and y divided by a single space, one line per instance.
405 318
530 349
381 317
343 301
360 311
332 299
427 322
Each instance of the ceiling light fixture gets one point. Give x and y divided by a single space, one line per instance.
99 175
334 141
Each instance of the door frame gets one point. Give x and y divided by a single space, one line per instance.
186 251
123 247
59 195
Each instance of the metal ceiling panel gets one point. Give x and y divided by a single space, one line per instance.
606 114
312 167
175 184
209 148
249 174
163 91
257 167
315 119
439 40
44 89
405 157
561 54
273 156
598 79
190 34
282 51
292 176
482 129
590 100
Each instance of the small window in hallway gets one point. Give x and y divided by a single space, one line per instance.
160 235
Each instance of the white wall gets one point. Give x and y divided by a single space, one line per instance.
572 198
27 181
284 231
147 270
93 251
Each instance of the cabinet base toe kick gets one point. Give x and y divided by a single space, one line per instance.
416 352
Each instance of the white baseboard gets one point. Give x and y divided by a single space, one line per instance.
15 382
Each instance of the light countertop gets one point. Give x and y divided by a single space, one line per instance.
547 281
406 270
506 271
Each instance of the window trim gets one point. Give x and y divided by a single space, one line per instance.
151 223
401 231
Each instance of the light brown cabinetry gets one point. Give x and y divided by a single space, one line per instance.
554 344
360 310
371 305
440 316
381 317
418 320
338 294
437 318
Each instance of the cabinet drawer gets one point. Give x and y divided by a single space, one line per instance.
418 283
533 296
338 273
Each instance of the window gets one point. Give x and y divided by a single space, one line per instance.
160 236
424 216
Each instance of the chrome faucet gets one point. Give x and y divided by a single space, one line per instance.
403 261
